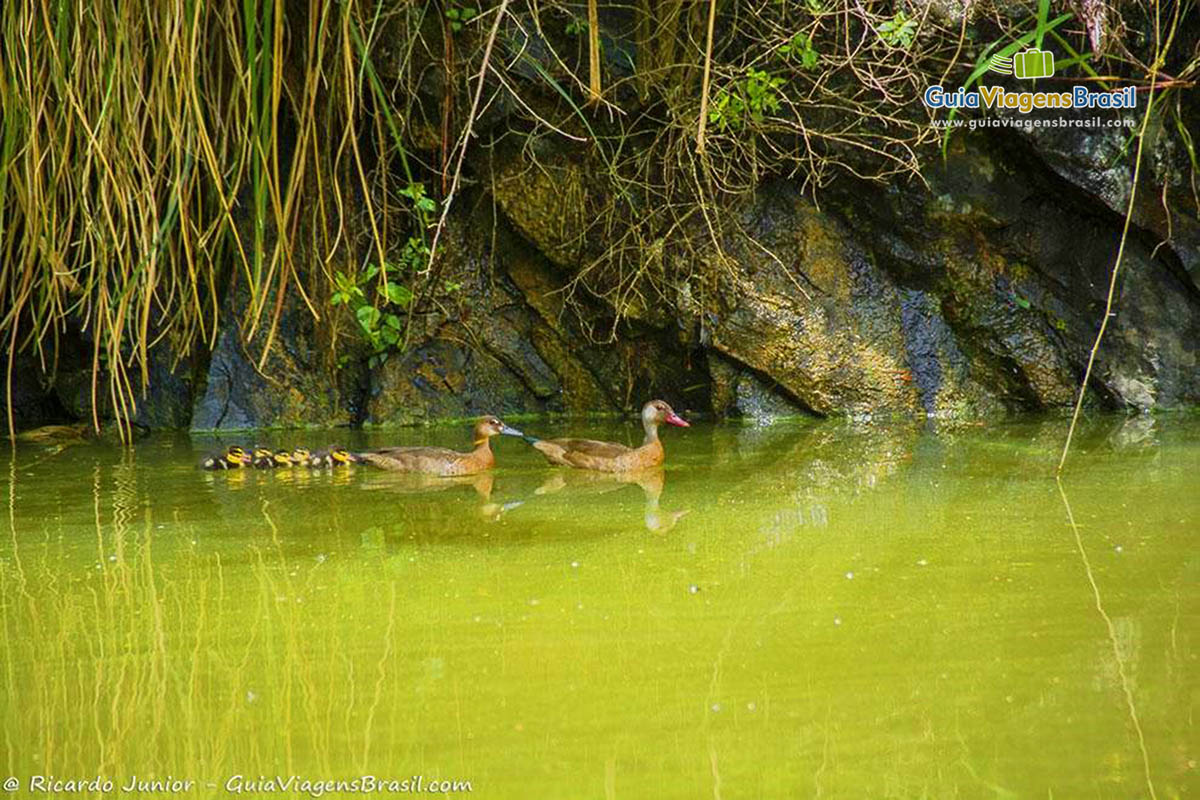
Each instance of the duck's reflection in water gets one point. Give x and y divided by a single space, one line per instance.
415 483
650 480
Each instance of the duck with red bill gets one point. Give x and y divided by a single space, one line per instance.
611 456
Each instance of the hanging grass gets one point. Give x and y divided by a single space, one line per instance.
144 166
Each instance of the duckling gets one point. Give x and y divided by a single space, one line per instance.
234 457
332 456
263 458
282 458
300 456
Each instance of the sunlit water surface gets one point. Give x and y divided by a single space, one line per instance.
802 610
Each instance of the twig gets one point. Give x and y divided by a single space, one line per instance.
593 52
708 46
466 139
1112 283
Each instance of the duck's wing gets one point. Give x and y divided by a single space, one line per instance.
593 449
412 459
582 452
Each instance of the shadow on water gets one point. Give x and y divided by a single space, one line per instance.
869 611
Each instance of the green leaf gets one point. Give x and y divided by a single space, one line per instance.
368 317
392 321
400 295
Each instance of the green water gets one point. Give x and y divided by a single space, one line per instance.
795 611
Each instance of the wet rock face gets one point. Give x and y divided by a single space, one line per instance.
1020 263
39 398
741 392
544 194
836 350
509 345
33 403
819 319
441 380
979 294
298 385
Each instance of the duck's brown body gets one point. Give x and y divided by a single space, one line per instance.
611 456
432 460
441 460
600 456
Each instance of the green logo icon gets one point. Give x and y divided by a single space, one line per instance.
1029 64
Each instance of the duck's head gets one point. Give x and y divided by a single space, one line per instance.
340 455
490 426
300 455
261 452
236 454
657 412
283 459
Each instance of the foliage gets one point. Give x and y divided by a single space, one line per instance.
748 100
800 48
377 302
898 31
459 16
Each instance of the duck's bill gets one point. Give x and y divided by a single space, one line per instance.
510 431
675 419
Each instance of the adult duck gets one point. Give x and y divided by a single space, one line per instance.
610 456
440 460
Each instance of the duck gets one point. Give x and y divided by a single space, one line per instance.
234 457
442 461
332 456
610 456
300 456
282 458
263 458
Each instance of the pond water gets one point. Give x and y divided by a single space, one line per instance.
808 609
